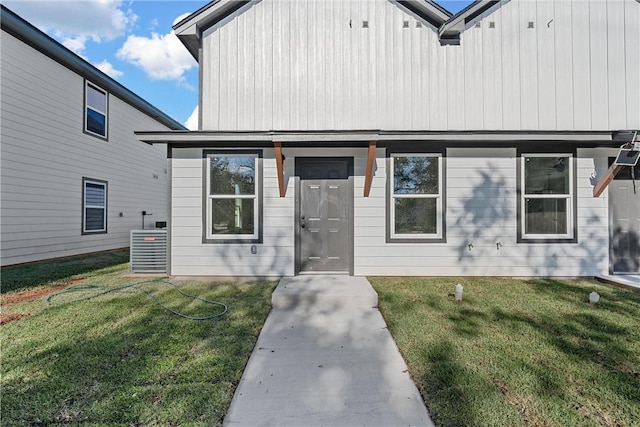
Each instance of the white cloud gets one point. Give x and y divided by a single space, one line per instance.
161 56
107 68
192 121
76 22
75 44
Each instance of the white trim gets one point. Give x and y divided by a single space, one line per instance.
210 198
392 197
568 197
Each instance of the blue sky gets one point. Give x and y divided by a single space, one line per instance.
132 41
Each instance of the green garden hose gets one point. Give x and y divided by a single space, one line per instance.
100 290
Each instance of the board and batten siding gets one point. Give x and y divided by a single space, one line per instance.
310 65
481 209
45 155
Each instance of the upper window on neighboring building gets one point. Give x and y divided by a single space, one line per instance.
547 197
96 111
94 206
416 197
232 196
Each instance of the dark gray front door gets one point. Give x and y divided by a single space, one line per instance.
324 214
624 213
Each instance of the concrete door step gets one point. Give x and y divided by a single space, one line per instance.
324 291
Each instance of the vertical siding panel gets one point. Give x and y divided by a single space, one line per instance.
428 34
229 76
632 62
260 72
616 64
373 65
397 53
339 87
492 70
245 72
473 66
598 45
282 71
211 84
416 78
545 29
581 64
318 35
455 87
511 100
437 86
385 85
564 65
528 66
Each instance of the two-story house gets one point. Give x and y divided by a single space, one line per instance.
73 177
381 137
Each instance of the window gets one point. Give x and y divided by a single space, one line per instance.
547 197
416 204
94 206
95 119
233 196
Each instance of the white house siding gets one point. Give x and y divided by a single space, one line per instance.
45 155
189 256
481 210
281 64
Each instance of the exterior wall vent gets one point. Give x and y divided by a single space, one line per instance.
418 24
478 24
530 24
365 24
405 24
492 24
148 253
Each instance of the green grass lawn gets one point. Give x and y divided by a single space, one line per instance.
121 359
518 352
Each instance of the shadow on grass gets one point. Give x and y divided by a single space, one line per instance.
60 271
129 362
538 354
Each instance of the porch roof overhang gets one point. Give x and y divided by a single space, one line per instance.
358 138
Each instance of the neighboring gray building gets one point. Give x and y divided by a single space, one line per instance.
382 137
74 179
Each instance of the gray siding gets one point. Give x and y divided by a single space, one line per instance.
281 64
481 209
45 155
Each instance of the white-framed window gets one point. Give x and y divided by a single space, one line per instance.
94 206
416 200
232 196
547 196
96 110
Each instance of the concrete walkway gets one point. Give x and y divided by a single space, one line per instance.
326 358
628 281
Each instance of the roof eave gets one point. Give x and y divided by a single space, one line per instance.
452 28
190 29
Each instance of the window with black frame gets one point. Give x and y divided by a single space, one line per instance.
415 196
232 202
547 196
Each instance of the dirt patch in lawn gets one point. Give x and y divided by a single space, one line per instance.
6 318
30 294
26 296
